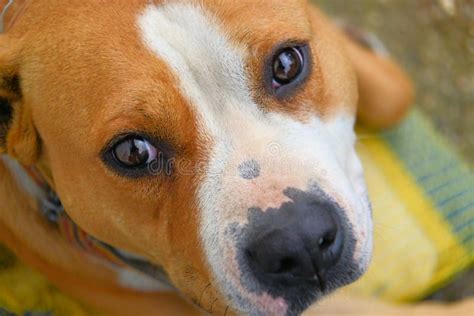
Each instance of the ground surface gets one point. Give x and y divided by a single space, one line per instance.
434 41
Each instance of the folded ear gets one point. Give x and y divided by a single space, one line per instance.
385 91
18 137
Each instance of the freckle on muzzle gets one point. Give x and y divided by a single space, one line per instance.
249 170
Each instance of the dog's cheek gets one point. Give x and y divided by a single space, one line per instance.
179 234
188 268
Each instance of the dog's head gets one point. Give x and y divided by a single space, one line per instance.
214 138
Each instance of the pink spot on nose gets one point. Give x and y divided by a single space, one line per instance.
273 306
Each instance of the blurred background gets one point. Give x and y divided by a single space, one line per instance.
434 41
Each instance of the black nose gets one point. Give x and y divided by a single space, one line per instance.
299 242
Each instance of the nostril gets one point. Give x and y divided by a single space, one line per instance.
326 241
280 254
272 264
287 265
328 251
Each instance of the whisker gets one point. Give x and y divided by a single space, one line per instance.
212 305
202 293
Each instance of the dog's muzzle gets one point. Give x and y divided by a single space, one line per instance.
300 251
287 251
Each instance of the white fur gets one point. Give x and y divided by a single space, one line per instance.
135 280
211 73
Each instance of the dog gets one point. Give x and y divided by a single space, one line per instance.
188 157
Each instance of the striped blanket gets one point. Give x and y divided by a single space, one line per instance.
423 199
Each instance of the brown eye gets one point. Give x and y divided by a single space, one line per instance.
287 66
134 152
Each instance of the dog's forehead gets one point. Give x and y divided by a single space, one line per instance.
265 20
198 62
251 22
211 47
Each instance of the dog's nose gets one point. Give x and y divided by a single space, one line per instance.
301 245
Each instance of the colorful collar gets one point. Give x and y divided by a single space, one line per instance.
3 13
52 210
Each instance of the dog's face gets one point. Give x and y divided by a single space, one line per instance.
214 138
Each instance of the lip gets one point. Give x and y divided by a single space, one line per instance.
142 265
282 307
267 305
288 296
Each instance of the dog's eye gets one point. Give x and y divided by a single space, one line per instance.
134 152
287 69
288 64
136 156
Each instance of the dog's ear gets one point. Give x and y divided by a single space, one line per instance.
385 91
18 137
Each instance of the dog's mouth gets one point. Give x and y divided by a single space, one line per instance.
140 264
283 260
290 291
283 294
286 295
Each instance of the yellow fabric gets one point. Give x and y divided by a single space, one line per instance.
423 201
24 291
405 222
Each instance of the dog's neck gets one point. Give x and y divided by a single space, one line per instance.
49 205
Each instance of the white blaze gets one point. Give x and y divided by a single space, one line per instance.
211 72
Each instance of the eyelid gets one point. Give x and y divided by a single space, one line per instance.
160 145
